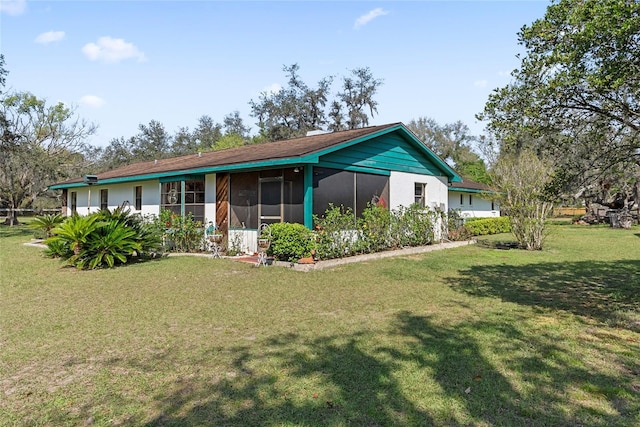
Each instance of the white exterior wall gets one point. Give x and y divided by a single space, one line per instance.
210 198
118 194
479 207
245 241
402 190
125 192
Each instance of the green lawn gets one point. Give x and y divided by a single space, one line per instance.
463 337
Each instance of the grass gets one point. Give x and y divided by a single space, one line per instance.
466 336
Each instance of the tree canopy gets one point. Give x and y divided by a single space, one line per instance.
298 108
453 142
41 144
153 142
575 97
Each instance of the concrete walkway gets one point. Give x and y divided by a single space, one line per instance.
321 265
330 263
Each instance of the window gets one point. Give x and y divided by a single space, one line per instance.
194 199
332 186
74 202
461 199
171 197
420 194
470 200
138 197
104 199
183 198
493 205
353 190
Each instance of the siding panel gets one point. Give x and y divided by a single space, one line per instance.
390 152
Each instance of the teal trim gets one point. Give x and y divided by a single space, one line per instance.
469 190
359 140
182 188
63 186
171 176
407 136
308 196
342 166
390 153
194 177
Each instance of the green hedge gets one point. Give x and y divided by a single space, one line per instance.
290 242
484 226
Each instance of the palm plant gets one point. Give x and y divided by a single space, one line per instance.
113 242
46 223
75 231
103 239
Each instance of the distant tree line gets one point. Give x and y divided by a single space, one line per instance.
43 144
287 113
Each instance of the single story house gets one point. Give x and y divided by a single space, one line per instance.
282 181
473 200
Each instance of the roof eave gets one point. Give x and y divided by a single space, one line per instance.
203 170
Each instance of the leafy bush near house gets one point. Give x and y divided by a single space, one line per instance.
484 226
180 233
375 224
44 224
412 226
290 242
103 239
336 233
340 234
455 226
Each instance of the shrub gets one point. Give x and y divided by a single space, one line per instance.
181 233
75 232
290 242
455 226
337 231
103 239
375 224
113 242
412 226
484 226
45 224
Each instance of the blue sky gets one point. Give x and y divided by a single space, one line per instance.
122 63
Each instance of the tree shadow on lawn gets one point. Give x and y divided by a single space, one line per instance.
329 381
16 230
525 380
420 372
608 292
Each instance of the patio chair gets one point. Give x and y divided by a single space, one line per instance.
213 238
264 242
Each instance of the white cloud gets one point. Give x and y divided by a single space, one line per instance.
50 37
480 83
13 7
368 17
273 88
111 50
502 73
92 101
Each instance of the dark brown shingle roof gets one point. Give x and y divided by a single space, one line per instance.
290 148
467 184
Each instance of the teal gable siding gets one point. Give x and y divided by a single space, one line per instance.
389 152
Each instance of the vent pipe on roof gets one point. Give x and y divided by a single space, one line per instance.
317 132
